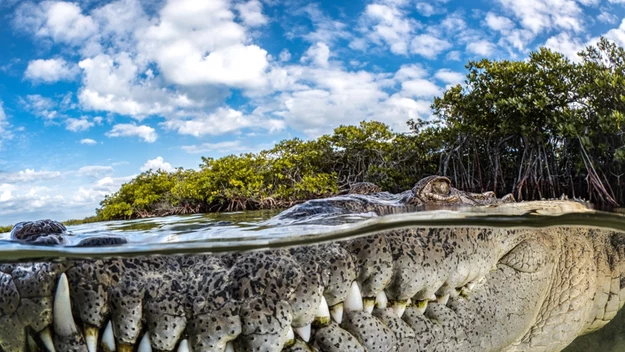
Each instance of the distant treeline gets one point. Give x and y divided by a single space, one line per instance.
538 128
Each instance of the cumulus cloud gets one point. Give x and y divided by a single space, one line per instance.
95 171
450 77
88 141
223 120
198 42
420 88
29 175
389 25
147 133
226 147
157 164
77 125
428 45
41 106
481 47
252 13
317 54
61 21
50 71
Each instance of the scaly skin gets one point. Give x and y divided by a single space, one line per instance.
411 289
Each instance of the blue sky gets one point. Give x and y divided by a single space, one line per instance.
94 92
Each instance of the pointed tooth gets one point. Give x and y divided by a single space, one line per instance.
381 301
399 307
368 304
421 306
46 339
62 312
183 346
229 347
91 338
304 332
145 345
32 344
290 336
322 318
336 311
353 301
433 298
470 285
108 340
443 299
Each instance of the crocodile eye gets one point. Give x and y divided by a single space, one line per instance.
442 187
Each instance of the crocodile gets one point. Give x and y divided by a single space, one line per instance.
366 197
440 288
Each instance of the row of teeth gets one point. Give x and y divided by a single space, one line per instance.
64 324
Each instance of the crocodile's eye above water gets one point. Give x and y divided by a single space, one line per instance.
441 187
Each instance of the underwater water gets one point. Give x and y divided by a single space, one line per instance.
239 231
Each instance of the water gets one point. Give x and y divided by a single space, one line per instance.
255 230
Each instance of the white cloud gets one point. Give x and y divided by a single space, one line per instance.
420 88
223 120
499 23
481 47
285 55
428 9
147 133
251 12
227 147
538 16
110 83
29 175
389 25
3 122
41 106
76 125
157 164
317 54
565 44
61 21
51 70
450 77
198 43
88 141
428 45
95 171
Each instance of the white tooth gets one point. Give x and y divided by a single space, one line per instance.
62 312
108 340
443 299
145 345
32 345
368 304
290 335
46 338
229 347
324 310
337 312
353 301
304 332
433 298
184 346
381 300
470 285
91 338
399 307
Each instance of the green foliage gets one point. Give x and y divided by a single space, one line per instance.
538 127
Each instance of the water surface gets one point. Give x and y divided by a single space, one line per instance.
256 229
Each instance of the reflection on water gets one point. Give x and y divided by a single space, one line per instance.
251 230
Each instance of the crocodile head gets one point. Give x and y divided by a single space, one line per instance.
438 190
409 289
